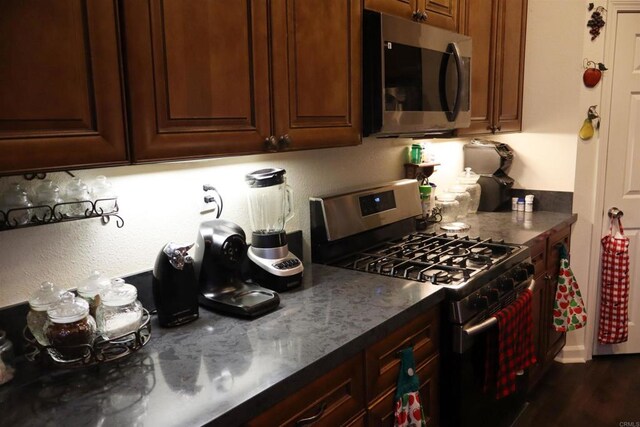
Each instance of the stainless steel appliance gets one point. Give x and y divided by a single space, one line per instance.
174 286
416 78
373 231
221 252
270 207
491 160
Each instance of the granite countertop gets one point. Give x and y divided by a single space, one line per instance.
224 369
513 227
227 370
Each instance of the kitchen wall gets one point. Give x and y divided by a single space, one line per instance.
161 203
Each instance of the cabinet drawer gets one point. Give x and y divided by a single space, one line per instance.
335 399
381 413
381 361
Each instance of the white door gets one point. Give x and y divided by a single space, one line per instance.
622 181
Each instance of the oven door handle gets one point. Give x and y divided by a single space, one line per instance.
480 327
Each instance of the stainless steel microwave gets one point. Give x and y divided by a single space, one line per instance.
416 78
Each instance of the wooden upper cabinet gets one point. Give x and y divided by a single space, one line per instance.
439 13
198 77
61 100
400 8
498 29
316 63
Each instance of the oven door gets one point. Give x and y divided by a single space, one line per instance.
468 400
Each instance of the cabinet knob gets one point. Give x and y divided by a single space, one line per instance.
271 144
424 16
284 142
416 15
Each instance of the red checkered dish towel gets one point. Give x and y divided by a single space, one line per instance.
614 291
514 341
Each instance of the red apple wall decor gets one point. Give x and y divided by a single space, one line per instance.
592 72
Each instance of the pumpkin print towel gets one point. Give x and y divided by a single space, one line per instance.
569 312
408 411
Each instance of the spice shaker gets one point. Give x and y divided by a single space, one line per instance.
7 359
70 328
90 288
45 297
119 312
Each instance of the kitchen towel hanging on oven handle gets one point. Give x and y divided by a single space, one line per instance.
569 312
614 288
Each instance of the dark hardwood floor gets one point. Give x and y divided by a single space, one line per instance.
602 392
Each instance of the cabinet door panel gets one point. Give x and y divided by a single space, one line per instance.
512 19
401 8
61 102
442 13
316 54
381 413
198 77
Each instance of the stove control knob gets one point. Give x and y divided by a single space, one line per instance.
520 274
479 302
492 294
506 284
531 269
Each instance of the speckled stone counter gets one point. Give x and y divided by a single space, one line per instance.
513 227
224 369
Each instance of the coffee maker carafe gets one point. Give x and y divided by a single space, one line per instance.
491 160
270 207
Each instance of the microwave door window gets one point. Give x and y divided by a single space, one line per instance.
402 78
419 79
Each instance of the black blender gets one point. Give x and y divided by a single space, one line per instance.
270 207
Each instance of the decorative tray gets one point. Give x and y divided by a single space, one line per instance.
103 350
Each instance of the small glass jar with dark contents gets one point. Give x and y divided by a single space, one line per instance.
46 296
70 328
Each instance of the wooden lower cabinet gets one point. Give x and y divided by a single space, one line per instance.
360 392
381 412
334 399
545 256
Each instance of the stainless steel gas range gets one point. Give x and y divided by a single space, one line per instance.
373 230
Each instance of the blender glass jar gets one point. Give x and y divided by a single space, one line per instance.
270 200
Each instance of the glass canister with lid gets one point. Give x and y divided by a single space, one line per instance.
119 312
449 206
46 296
469 180
70 328
90 288
462 197
7 359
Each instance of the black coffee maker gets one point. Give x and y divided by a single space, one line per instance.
220 255
174 286
491 160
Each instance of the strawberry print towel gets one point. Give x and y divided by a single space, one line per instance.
408 411
569 312
614 290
